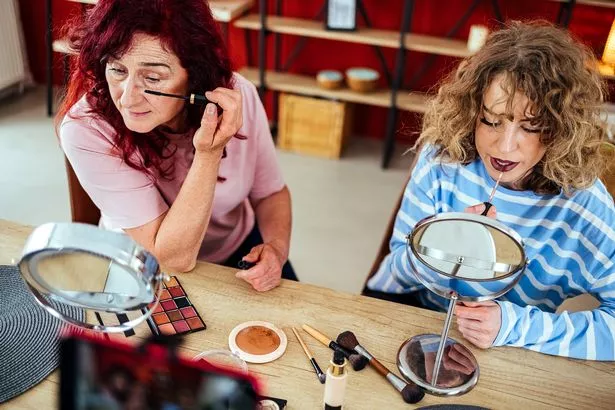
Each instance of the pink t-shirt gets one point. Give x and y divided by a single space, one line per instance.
128 198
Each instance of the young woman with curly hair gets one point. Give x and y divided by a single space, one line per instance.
526 105
188 182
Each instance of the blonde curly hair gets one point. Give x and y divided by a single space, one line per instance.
557 74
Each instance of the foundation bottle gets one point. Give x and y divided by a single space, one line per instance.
335 384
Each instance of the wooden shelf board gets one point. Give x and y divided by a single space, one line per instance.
437 45
412 101
383 38
228 10
315 29
61 46
599 3
306 85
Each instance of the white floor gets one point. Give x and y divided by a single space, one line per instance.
340 207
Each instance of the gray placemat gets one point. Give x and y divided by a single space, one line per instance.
29 344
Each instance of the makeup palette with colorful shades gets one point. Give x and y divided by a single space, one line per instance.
175 314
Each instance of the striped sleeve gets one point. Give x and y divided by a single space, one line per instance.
394 274
582 335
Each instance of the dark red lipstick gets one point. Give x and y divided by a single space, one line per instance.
502 165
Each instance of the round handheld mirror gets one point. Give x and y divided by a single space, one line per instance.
458 256
91 268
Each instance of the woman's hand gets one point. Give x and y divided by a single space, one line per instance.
455 359
267 272
479 322
480 208
216 131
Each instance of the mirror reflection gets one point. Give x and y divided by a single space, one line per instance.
467 249
80 272
417 358
67 271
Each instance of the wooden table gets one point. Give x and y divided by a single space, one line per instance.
511 378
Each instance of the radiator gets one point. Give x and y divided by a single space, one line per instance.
12 70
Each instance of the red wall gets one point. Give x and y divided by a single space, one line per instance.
590 24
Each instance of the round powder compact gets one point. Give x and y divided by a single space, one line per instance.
257 342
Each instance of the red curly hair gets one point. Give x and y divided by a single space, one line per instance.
184 27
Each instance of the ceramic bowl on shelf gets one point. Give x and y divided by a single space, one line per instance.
362 79
330 79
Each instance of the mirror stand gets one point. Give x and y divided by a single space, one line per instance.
443 338
437 363
457 256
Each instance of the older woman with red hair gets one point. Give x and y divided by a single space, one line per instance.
186 181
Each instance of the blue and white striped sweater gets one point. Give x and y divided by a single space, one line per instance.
569 241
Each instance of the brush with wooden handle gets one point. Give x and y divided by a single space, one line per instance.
410 392
357 361
321 376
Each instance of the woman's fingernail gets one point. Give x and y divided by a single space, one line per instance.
210 109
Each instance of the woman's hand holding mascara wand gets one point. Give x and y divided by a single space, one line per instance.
216 131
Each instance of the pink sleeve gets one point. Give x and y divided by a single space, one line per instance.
267 174
126 197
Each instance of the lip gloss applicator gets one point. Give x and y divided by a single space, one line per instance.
488 204
195 99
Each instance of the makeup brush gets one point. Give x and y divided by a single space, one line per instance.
357 361
488 204
410 392
192 98
319 373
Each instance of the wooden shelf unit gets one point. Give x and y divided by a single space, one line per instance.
375 37
370 36
403 40
306 85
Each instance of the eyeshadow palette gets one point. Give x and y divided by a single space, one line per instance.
175 314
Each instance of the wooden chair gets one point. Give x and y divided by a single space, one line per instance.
81 206
383 250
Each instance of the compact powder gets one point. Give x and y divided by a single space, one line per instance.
257 340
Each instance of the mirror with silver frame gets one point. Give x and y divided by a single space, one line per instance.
461 257
476 257
93 269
